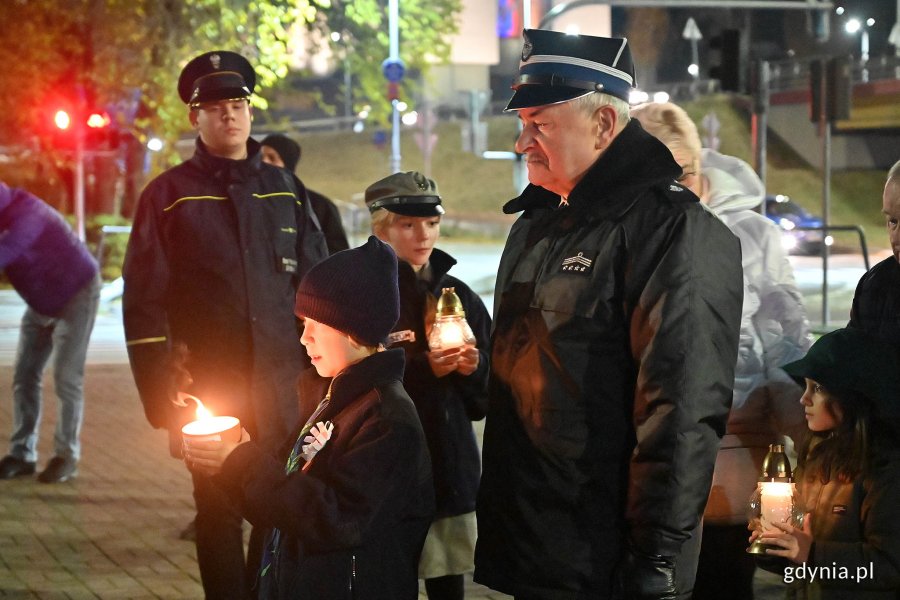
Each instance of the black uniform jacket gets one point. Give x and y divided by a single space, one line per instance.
353 523
613 351
446 405
216 251
876 303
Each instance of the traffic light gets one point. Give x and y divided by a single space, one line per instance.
728 65
830 77
100 132
62 120
64 125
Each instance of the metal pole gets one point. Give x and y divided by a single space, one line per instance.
761 120
79 183
393 18
348 92
825 131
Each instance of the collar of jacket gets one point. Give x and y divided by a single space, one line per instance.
228 169
440 263
359 378
633 162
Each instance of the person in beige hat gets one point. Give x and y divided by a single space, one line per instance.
448 386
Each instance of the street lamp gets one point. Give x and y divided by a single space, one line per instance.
692 33
855 25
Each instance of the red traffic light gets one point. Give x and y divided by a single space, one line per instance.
62 120
98 120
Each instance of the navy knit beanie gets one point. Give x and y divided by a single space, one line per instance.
354 291
287 149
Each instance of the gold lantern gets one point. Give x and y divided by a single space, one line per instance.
450 330
774 500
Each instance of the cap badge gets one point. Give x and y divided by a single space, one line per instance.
215 60
527 49
421 181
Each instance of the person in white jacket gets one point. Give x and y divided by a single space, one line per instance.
774 332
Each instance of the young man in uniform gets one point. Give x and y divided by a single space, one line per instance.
218 246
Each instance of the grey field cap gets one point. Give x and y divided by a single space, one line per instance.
410 194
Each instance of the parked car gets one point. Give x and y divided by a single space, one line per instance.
790 216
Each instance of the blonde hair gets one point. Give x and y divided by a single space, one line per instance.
672 126
382 218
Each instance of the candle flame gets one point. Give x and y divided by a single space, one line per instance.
202 412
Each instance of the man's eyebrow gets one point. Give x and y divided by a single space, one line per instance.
535 113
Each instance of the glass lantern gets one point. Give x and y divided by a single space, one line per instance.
451 330
774 500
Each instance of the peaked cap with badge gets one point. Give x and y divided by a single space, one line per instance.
410 194
558 67
217 75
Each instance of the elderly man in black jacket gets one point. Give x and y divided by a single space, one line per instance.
618 306
218 247
876 303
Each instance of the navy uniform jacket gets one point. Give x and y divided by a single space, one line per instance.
353 520
613 351
216 251
446 405
876 303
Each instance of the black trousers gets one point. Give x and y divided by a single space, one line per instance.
723 557
220 544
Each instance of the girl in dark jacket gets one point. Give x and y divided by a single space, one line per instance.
848 473
351 499
447 385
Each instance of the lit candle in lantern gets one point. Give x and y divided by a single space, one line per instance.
451 330
209 428
773 500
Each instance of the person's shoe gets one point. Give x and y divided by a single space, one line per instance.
58 470
12 466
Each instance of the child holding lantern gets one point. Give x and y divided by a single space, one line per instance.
848 472
446 381
350 501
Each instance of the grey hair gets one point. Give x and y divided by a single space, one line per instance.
894 173
589 103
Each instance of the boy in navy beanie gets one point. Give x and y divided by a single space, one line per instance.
352 494
354 291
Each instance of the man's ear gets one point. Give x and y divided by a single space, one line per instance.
605 121
192 117
250 109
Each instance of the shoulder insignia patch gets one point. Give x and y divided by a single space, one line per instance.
675 188
577 264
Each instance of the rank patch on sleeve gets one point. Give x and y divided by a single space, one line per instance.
407 335
577 264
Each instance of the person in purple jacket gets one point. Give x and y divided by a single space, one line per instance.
59 280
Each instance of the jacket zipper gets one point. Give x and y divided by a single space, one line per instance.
353 576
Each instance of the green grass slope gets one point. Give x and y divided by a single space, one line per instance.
343 164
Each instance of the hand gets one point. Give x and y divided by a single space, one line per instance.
793 543
318 436
468 360
207 457
443 362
